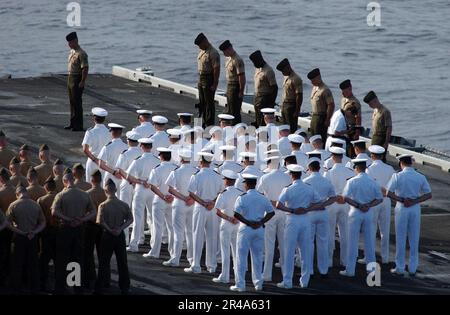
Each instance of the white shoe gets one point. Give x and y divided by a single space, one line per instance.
281 285
168 263
278 265
259 288
219 280
236 289
148 256
345 274
192 270
132 249
211 270
362 261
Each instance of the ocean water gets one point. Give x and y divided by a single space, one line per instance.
406 60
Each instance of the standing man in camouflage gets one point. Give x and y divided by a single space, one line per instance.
322 104
381 121
266 88
235 73
78 71
291 101
209 71
349 101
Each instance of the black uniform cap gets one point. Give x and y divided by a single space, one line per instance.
345 84
200 38
225 45
369 97
283 63
313 73
256 56
71 36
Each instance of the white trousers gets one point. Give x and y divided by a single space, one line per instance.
161 216
182 230
249 240
297 233
320 233
407 225
382 221
204 225
142 199
91 167
274 230
338 216
228 240
358 222
126 195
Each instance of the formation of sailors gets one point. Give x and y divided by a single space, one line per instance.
242 191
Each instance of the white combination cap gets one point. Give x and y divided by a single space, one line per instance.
315 138
314 153
270 158
358 141
100 112
115 126
299 131
240 125
248 176
296 138
144 112
337 150
284 127
359 161
403 156
376 149
159 120
174 133
338 141
215 129
268 111
184 114
145 140
205 154
295 168
163 150
229 174
185 154
132 135
227 148
225 116
247 155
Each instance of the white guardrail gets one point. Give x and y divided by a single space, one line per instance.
303 122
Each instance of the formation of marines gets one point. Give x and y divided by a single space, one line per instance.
233 189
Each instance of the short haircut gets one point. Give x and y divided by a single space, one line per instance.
314 166
99 120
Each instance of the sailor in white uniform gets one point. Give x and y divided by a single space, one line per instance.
338 175
123 163
360 150
182 208
261 144
320 226
228 157
160 138
145 128
162 203
270 127
94 140
185 121
108 156
253 210
381 173
338 125
240 134
297 200
284 144
204 187
306 145
317 143
363 194
296 142
138 174
215 142
316 154
226 123
228 225
335 142
200 141
250 168
271 185
408 188
175 145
